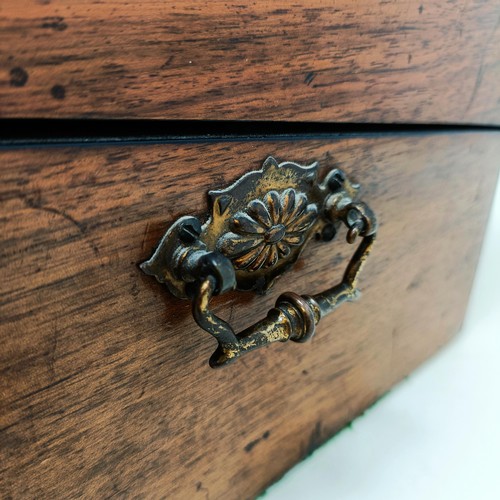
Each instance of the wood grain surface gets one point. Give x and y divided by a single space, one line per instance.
382 61
105 389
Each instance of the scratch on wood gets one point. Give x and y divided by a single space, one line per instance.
36 205
200 487
144 238
481 69
252 444
309 77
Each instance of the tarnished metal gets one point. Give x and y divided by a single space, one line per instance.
256 231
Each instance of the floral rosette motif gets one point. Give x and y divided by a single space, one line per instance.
265 231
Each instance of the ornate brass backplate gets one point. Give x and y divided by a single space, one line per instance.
257 229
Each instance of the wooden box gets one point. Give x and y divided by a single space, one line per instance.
105 389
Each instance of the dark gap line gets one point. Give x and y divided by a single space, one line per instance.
22 133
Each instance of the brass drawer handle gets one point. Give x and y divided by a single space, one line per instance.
257 230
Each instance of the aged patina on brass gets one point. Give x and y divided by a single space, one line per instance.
257 229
